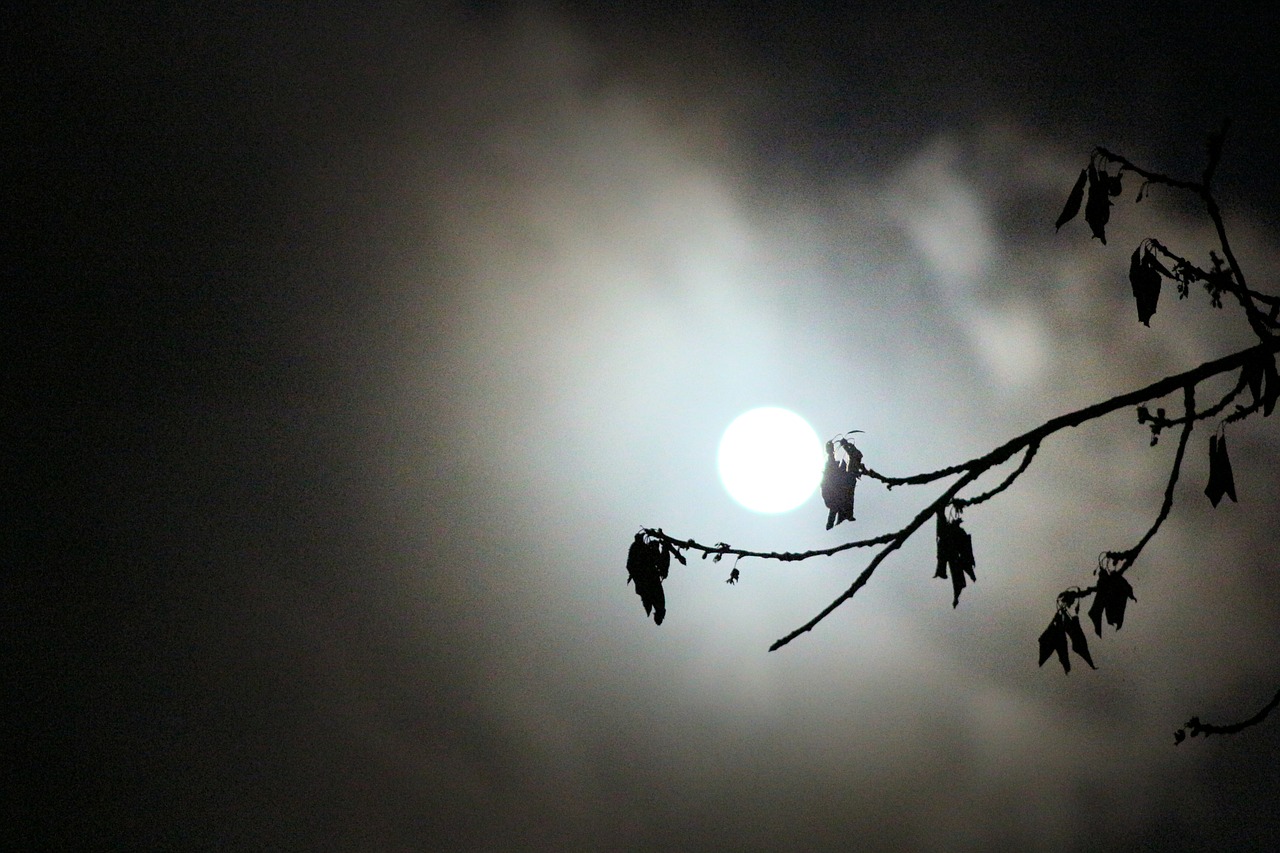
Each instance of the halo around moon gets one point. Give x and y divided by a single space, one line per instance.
770 460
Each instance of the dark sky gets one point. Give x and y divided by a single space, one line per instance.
347 349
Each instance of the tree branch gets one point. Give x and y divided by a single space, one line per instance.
1194 727
898 539
1127 558
1111 591
1008 481
978 466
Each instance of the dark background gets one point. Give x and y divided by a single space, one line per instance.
346 349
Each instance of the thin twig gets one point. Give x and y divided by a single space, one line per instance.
1195 727
1008 481
976 467
898 539
1127 558
783 556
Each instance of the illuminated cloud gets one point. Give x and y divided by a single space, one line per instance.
478 294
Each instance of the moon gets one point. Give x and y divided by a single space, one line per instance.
770 460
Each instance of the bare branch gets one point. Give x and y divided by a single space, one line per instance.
1126 558
723 548
916 479
1194 727
1112 591
1151 177
898 539
974 468
1008 481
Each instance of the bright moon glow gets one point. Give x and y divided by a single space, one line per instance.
770 460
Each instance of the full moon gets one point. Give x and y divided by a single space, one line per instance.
770 460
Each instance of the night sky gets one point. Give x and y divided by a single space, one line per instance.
347 349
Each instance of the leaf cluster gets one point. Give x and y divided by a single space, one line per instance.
1064 626
955 554
1102 187
840 479
1221 480
648 562
1111 595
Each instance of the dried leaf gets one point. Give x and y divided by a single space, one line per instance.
1251 375
839 480
1079 644
1221 480
1054 639
1273 384
1097 209
644 567
940 538
955 553
1112 593
1072 206
1145 280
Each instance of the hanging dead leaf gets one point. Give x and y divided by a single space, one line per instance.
839 480
644 568
1145 280
955 554
1097 209
1221 480
1074 198
1111 594
1079 644
1054 640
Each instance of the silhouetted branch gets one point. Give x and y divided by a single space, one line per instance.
915 479
721 549
1158 422
975 468
1127 558
1008 481
1194 727
896 542
1238 286
1151 263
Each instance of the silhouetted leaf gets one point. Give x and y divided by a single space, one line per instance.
675 552
1072 206
1273 384
955 552
644 567
1114 185
1054 639
1145 279
733 576
940 539
839 480
1251 375
1097 210
1221 480
1110 597
1079 644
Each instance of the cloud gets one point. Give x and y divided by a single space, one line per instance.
624 296
534 278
